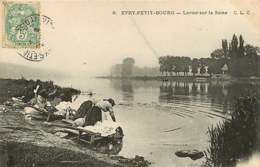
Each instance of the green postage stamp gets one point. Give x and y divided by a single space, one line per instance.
20 28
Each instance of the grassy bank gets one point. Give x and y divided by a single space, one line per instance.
22 87
31 143
25 154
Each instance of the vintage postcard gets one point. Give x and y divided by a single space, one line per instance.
129 83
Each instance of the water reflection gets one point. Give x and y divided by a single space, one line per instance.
217 92
108 146
126 88
231 140
183 88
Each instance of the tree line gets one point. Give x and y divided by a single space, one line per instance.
242 60
176 64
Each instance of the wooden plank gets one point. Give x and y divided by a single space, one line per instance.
67 121
60 125
93 136
88 132
71 127
85 141
76 132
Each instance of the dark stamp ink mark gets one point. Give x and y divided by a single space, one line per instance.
34 55
30 20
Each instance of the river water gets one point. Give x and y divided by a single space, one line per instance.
160 118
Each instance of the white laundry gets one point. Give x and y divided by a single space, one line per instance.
105 128
62 108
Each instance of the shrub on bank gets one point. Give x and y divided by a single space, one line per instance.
235 139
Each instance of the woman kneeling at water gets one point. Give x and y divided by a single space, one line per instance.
94 114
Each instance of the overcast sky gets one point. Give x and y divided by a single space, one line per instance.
87 31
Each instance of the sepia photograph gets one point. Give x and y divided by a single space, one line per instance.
129 83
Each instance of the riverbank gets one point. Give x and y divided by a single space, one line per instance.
24 88
31 143
184 78
160 78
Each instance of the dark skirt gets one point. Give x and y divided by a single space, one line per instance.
83 110
93 116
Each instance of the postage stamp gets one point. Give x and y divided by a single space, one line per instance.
18 30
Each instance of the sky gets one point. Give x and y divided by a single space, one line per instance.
88 38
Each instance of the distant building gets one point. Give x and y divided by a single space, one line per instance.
146 71
116 70
224 69
207 69
224 76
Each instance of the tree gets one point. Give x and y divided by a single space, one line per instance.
217 54
177 65
234 42
225 48
162 65
171 64
186 64
194 66
251 60
168 65
244 59
174 64
202 70
234 46
215 67
241 60
241 49
218 58
251 50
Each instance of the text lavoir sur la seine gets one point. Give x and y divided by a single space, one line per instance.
184 12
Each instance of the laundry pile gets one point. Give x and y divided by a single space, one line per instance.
104 128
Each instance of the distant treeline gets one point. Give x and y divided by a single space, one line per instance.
241 61
234 58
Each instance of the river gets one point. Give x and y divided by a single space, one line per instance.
159 118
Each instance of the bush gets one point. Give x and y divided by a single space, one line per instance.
236 138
